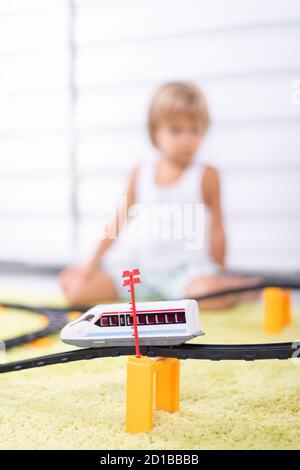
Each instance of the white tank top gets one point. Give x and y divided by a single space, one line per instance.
184 241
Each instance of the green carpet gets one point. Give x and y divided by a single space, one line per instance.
224 405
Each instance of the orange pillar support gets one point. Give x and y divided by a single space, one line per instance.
139 398
41 342
273 310
167 384
287 306
140 382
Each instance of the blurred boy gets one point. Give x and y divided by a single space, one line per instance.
178 121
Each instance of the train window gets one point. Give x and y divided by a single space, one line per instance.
129 320
104 321
122 320
114 321
87 318
160 318
150 319
141 319
180 317
171 317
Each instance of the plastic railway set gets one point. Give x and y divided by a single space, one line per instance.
57 318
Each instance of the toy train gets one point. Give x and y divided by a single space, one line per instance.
159 323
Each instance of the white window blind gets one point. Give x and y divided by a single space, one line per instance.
76 77
245 55
34 131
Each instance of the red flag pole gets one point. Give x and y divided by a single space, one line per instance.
135 327
133 279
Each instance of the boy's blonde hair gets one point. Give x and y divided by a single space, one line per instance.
176 98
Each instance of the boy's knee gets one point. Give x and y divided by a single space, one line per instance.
202 286
73 294
217 304
74 297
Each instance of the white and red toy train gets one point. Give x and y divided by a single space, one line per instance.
159 323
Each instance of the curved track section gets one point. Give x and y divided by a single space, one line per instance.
293 283
56 320
246 352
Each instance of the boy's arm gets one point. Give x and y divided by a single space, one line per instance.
116 223
212 198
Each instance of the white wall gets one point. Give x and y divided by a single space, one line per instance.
245 54
35 222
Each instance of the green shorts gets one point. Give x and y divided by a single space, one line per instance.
167 284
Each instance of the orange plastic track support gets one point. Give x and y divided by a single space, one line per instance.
74 315
139 397
277 309
41 342
167 384
287 306
141 372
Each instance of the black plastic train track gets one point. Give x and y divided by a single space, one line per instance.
57 318
213 352
283 283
